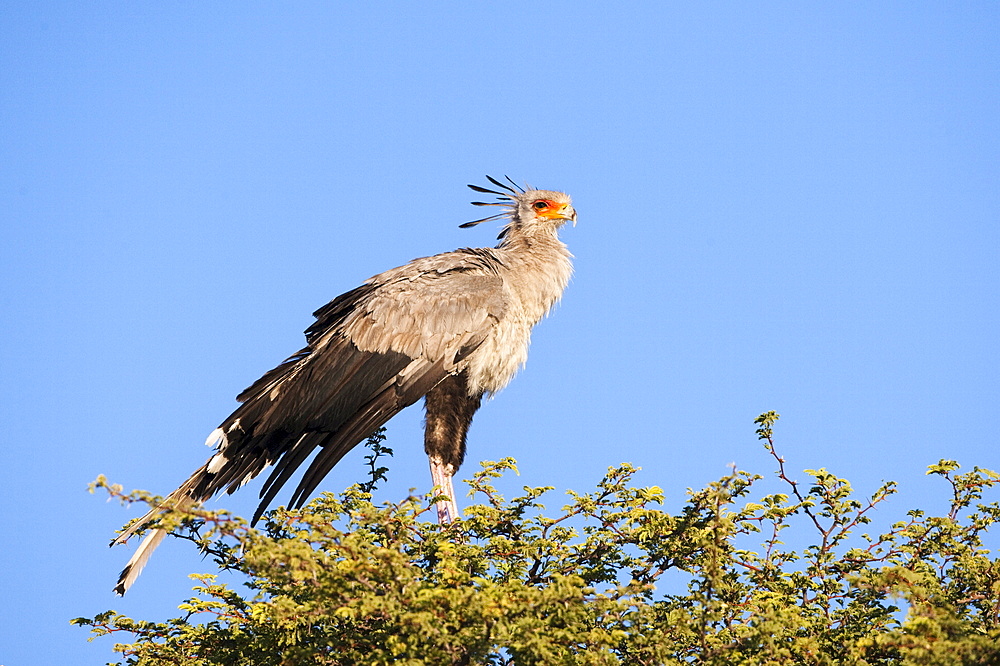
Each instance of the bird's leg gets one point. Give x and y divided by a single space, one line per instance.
441 473
449 415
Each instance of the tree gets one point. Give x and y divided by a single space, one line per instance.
343 581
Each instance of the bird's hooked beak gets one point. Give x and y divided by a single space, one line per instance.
560 212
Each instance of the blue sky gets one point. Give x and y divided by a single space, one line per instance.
791 207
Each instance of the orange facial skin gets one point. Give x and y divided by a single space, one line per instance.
548 209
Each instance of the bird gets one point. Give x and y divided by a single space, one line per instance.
452 328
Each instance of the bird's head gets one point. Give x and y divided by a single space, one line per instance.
526 206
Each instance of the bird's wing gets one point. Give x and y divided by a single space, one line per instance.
371 352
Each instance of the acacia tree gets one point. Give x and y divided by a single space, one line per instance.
343 581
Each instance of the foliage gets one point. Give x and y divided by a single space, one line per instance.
343 581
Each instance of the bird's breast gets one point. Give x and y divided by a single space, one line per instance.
531 289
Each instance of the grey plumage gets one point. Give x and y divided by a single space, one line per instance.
453 327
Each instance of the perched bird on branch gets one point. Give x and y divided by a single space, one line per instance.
452 328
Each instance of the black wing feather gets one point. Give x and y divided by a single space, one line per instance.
298 407
383 406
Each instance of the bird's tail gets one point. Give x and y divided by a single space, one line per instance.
185 497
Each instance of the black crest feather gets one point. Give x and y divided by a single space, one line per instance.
506 197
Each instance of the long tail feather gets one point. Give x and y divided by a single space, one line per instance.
180 499
135 565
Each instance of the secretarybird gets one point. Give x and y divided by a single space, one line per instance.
453 327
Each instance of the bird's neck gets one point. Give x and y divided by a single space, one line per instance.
540 267
535 239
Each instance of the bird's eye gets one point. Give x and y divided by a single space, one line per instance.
540 205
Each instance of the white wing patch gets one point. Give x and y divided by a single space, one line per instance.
216 463
216 438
